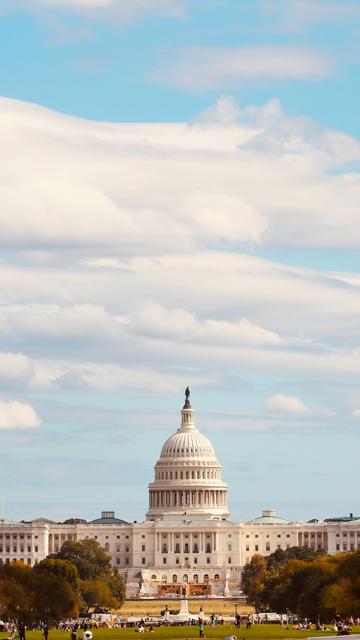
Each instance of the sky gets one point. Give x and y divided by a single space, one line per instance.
179 205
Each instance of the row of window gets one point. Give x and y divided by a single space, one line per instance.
15 536
345 547
268 535
186 549
13 549
188 475
186 560
107 537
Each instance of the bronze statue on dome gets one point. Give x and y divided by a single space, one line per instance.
187 404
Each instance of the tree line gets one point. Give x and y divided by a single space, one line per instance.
311 584
77 578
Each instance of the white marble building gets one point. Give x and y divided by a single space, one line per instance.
187 537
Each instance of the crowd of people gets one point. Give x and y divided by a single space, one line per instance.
83 629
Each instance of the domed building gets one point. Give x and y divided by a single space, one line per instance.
188 476
187 542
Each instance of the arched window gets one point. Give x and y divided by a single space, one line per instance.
164 578
185 577
206 578
153 577
196 578
174 578
186 547
216 577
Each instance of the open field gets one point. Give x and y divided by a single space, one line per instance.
209 606
257 632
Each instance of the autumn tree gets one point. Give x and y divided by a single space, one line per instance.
253 580
343 597
94 566
96 593
31 595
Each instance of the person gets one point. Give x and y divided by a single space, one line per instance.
22 630
238 620
14 635
74 633
46 632
248 623
201 629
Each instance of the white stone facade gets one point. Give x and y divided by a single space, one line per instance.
187 540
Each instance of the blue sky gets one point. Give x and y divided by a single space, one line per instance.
179 204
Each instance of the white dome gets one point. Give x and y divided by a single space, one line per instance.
188 443
187 475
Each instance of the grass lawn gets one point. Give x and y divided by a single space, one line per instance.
257 632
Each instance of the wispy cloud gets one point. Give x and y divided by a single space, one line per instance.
207 68
121 11
301 15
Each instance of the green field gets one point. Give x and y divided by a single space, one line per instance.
257 632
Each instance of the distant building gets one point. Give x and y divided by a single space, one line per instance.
187 539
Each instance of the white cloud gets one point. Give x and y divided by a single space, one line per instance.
298 15
219 68
105 376
78 321
356 413
156 320
124 245
252 176
280 403
17 415
15 369
225 217
118 10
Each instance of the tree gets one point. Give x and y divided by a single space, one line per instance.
32 595
281 556
87 555
16 592
96 593
116 585
54 598
93 564
253 580
60 569
58 593
344 596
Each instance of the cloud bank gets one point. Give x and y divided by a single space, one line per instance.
132 253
